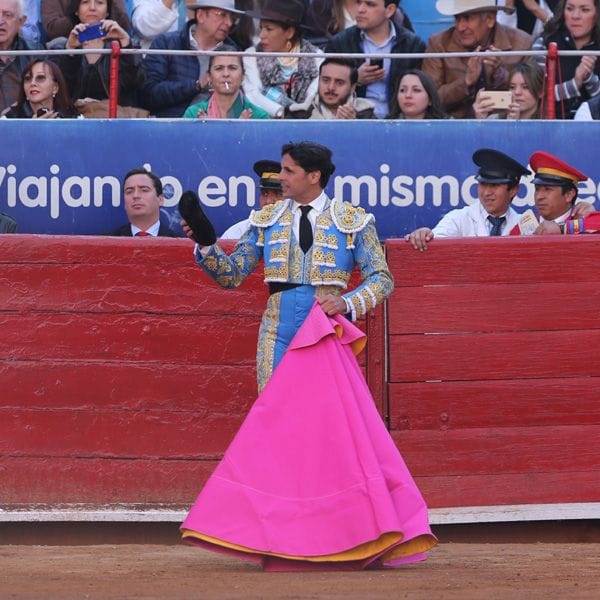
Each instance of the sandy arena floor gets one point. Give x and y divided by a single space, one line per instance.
454 570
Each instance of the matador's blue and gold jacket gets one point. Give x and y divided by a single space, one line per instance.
344 236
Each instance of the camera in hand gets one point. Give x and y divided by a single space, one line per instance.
91 32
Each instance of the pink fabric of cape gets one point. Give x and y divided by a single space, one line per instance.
313 470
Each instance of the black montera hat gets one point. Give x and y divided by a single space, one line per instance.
496 167
268 171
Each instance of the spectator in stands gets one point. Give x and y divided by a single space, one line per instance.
227 101
43 94
575 26
475 29
88 75
336 97
244 32
416 97
175 82
7 224
58 18
555 195
31 29
376 33
325 18
589 111
498 178
277 83
150 18
12 19
143 197
528 15
526 82
270 192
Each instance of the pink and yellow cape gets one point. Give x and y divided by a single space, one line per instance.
313 480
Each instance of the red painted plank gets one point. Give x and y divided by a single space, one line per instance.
501 488
501 450
375 354
127 386
135 337
101 481
98 250
121 288
547 259
494 356
494 307
513 403
204 433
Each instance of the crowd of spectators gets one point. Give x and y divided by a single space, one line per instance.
169 85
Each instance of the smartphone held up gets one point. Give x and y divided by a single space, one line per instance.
92 32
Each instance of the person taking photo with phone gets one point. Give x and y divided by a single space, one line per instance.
88 75
525 89
475 30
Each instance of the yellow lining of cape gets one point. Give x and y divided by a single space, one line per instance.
359 552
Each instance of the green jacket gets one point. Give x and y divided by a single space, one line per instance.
241 103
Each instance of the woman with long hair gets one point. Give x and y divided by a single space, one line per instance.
43 93
88 75
227 100
276 82
526 84
416 97
574 26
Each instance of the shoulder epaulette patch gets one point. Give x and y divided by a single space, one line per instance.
268 215
348 218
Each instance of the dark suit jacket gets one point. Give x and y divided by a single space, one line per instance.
125 230
7 224
349 40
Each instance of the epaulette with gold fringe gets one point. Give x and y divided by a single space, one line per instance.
348 218
268 215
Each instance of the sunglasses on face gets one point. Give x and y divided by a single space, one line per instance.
38 78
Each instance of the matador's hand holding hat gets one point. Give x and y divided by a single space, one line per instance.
192 213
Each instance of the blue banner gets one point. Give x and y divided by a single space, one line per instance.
64 177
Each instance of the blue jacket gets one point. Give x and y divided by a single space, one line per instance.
170 85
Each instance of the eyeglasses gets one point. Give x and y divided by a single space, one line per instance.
38 78
225 14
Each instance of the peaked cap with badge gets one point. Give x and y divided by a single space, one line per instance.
268 171
496 167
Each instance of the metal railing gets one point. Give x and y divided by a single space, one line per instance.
115 52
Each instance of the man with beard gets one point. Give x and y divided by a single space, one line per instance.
475 30
336 97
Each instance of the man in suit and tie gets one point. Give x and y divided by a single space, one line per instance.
143 197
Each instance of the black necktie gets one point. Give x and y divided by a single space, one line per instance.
496 224
306 232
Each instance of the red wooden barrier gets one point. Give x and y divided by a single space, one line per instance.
494 374
124 371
